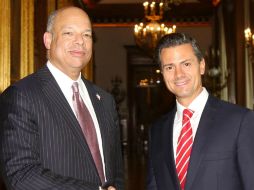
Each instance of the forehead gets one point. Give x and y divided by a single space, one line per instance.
177 54
72 17
177 51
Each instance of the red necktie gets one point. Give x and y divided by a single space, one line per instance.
184 146
86 122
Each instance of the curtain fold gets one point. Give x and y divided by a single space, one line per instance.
5 44
249 61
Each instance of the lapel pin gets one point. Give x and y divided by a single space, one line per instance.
98 96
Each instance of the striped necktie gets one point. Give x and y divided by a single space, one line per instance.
184 147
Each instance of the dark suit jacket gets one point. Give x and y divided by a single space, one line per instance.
222 155
41 142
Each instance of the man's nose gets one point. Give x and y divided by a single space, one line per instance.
79 39
178 71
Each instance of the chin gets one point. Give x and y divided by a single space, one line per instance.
183 94
80 63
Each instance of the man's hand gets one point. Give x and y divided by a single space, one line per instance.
111 188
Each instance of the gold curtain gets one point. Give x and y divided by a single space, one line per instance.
5 47
27 38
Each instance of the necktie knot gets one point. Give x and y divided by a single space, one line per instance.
187 114
75 87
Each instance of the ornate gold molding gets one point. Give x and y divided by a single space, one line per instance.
27 38
5 47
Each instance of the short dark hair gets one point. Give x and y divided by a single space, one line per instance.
176 39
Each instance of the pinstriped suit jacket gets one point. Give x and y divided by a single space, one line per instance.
41 142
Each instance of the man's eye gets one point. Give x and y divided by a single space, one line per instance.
68 33
187 64
87 35
167 68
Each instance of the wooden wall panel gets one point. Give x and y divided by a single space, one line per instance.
5 58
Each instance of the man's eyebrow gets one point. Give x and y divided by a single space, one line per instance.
88 30
186 60
167 64
181 62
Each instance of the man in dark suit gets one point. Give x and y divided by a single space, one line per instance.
203 143
44 139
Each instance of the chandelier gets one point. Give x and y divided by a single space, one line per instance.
147 34
249 40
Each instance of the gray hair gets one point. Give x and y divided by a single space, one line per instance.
176 39
51 21
50 24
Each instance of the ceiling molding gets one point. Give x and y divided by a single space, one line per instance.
120 13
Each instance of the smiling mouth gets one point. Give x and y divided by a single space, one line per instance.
77 53
181 83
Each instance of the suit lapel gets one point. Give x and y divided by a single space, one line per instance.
169 150
96 100
58 103
200 142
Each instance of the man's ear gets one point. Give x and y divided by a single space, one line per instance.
202 66
47 38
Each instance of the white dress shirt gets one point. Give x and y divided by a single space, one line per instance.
197 105
65 83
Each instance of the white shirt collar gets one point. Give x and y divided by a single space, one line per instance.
64 81
197 105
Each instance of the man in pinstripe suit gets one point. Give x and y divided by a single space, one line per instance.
41 142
